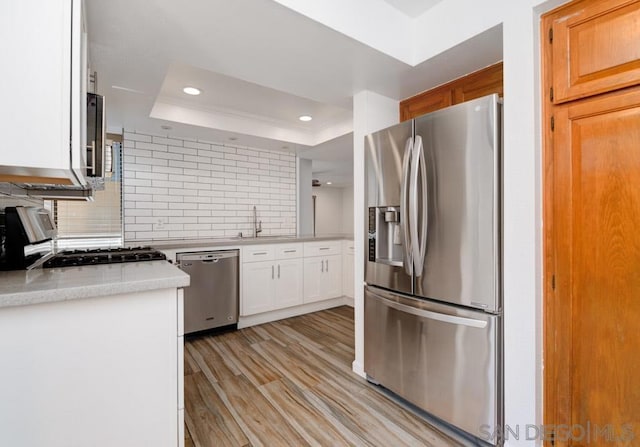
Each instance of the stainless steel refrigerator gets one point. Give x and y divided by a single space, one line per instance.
433 296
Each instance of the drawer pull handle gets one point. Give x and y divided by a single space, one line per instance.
290 251
259 253
325 248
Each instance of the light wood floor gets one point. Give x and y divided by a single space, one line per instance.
289 383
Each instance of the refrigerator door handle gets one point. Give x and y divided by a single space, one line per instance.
461 321
425 208
404 206
419 242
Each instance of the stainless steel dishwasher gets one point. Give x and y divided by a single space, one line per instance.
211 301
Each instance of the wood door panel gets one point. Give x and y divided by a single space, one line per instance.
435 99
595 48
598 208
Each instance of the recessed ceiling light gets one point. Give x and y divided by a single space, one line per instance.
328 183
192 91
305 118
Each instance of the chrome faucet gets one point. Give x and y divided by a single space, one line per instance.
257 226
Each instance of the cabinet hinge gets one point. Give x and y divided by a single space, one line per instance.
550 35
553 282
552 438
553 123
551 94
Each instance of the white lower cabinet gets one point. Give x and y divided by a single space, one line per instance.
272 285
322 278
281 276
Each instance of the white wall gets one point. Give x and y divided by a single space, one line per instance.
305 203
329 210
175 189
347 210
371 112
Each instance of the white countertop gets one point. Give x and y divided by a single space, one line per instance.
170 244
22 287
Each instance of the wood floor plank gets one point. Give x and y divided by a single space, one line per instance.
333 326
361 419
404 418
210 423
265 425
254 367
188 442
290 365
292 404
190 365
210 362
305 329
265 332
344 311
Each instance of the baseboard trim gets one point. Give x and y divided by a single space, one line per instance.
358 368
267 317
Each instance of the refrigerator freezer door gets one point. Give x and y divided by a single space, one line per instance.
462 154
387 155
438 357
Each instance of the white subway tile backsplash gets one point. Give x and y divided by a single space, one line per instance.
152 146
132 136
175 189
196 145
182 150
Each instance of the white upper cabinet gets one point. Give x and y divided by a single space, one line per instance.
43 91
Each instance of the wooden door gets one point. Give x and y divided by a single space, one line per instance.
597 210
592 223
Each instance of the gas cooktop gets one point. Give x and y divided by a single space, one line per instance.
73 258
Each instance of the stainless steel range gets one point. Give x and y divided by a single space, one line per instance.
29 239
97 256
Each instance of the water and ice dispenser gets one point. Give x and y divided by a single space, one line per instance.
385 235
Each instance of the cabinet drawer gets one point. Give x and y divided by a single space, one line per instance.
287 251
256 253
348 247
324 248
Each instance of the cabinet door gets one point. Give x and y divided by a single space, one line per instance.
595 48
37 36
597 215
288 283
331 285
313 278
258 287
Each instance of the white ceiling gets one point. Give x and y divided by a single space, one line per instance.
413 8
260 65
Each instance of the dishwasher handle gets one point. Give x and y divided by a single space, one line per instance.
207 256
